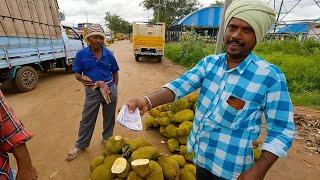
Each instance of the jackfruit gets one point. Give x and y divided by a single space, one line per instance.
256 153
163 114
173 144
184 128
184 152
183 140
171 131
186 175
141 167
183 115
191 168
193 97
179 159
156 172
97 161
133 176
163 131
156 121
154 112
164 121
106 151
136 143
149 122
120 167
170 115
146 152
111 158
179 105
165 107
115 144
169 167
101 172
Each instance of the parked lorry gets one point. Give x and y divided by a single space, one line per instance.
148 40
32 40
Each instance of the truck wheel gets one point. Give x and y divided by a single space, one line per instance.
136 57
26 79
159 59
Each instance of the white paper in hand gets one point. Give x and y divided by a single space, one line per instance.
131 121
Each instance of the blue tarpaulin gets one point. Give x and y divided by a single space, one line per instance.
294 28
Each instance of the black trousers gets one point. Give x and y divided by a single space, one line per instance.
204 174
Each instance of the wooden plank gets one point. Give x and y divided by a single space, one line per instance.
8 26
48 12
4 11
26 15
35 18
40 11
46 32
2 32
13 8
55 12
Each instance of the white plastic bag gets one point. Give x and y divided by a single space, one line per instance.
131 121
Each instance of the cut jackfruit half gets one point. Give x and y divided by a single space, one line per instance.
119 166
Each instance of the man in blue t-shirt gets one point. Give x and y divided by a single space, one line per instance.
95 66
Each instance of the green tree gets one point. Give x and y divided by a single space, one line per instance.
170 10
116 24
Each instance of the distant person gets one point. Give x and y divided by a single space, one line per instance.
13 140
236 88
95 66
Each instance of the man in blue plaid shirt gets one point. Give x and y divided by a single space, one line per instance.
236 88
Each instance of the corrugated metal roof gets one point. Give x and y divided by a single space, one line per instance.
208 17
294 28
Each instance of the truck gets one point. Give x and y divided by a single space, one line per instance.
32 40
148 40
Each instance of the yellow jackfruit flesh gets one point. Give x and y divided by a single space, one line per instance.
149 122
173 144
136 143
179 159
171 131
97 161
169 167
183 115
115 144
183 140
191 168
154 112
120 167
164 121
133 176
146 152
179 105
156 172
184 128
141 167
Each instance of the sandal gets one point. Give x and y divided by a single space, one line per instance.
72 154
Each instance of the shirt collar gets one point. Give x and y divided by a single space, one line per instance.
104 51
243 65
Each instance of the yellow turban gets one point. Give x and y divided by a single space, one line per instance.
255 12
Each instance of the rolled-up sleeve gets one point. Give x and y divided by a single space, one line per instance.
12 131
279 116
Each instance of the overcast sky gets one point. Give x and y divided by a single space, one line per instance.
130 10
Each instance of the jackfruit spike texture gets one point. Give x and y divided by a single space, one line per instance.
133 176
183 140
186 175
173 144
146 152
115 144
141 167
191 168
163 131
156 172
163 114
165 107
179 105
120 167
106 151
184 152
149 122
97 161
179 159
169 167
136 143
171 131
164 121
193 97
194 106
170 115
184 128
101 172
156 122
111 158
154 112
183 115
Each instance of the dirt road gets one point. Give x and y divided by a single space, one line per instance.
53 111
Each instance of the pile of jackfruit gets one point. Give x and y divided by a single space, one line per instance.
137 159
174 121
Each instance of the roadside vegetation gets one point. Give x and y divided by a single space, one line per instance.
300 62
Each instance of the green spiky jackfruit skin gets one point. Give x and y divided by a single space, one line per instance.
183 140
106 151
149 122
101 172
125 173
171 131
193 97
164 121
169 167
165 107
156 172
184 152
154 112
163 131
191 168
194 107
97 161
186 175
146 152
156 122
111 158
170 115
183 115
179 159
136 143
115 146
173 144
184 128
133 176
179 105
163 114
142 171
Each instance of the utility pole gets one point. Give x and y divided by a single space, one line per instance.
277 21
221 29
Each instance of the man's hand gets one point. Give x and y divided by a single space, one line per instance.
27 173
86 81
250 174
141 103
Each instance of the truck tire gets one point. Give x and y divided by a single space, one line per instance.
136 57
159 59
26 79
